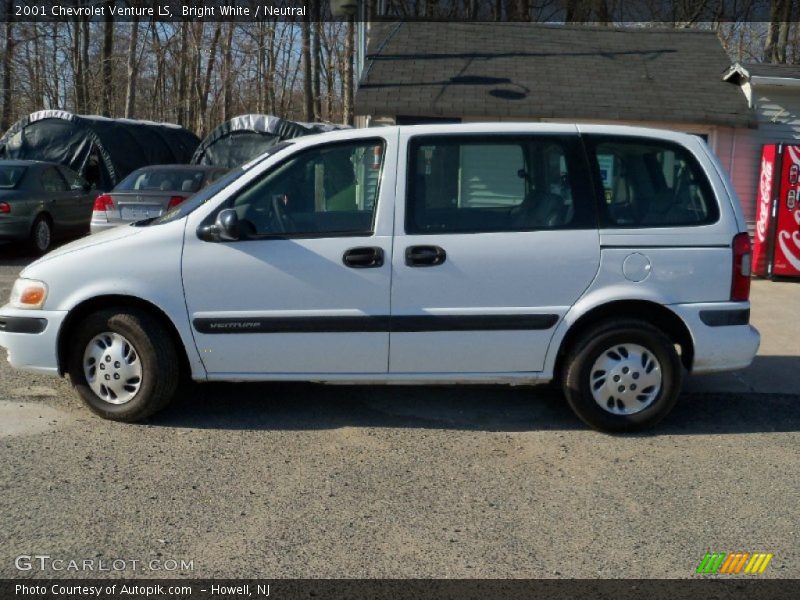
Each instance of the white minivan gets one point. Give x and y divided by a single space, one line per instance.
609 259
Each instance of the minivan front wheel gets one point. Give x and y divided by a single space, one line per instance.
123 364
623 375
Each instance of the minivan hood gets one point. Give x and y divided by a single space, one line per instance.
85 242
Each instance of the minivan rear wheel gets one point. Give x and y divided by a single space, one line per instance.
622 375
123 364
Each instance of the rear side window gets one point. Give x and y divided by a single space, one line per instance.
74 181
473 184
52 181
651 183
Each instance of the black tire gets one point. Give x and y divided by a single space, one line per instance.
600 339
38 244
160 367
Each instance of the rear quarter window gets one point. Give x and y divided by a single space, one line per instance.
650 183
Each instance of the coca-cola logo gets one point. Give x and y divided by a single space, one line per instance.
792 255
764 193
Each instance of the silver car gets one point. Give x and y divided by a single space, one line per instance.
149 192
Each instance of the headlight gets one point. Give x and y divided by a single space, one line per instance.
28 293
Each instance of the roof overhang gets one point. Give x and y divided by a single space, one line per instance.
739 74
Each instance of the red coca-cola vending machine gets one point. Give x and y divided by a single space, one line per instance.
776 252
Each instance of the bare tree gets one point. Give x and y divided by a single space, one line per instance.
227 74
183 66
316 60
778 32
212 55
519 10
308 91
347 79
84 81
77 66
107 57
130 92
8 62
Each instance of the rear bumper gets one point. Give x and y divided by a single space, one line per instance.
31 338
723 339
98 226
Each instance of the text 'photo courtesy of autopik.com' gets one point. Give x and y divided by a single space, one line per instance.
399 299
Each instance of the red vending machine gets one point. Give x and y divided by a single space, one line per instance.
776 252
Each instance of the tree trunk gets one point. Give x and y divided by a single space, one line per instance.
77 68
212 57
130 92
84 82
183 60
227 74
8 66
602 13
783 32
308 91
269 82
777 14
519 10
347 92
260 53
156 95
316 62
107 72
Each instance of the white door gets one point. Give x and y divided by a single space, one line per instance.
495 239
307 288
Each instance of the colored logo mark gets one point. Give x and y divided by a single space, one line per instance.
734 563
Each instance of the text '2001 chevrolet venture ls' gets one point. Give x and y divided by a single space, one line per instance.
609 259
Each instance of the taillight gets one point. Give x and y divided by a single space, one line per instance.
742 263
174 201
103 202
5 208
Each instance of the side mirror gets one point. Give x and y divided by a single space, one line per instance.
224 229
228 225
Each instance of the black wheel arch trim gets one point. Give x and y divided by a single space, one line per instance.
89 305
652 312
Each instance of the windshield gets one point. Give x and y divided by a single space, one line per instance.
163 180
196 201
10 176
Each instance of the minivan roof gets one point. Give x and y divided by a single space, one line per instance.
496 127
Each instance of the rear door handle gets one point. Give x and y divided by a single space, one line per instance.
425 256
368 257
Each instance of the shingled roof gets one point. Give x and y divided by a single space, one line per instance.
531 71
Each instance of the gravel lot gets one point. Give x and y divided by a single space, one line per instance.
313 481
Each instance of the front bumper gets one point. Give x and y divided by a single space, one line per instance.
723 338
31 338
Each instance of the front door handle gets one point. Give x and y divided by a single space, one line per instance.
363 258
425 256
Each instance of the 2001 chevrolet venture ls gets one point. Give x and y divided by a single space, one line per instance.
610 259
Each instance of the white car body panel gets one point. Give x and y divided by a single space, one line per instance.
137 262
566 273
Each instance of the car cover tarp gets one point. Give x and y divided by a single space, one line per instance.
243 138
103 150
